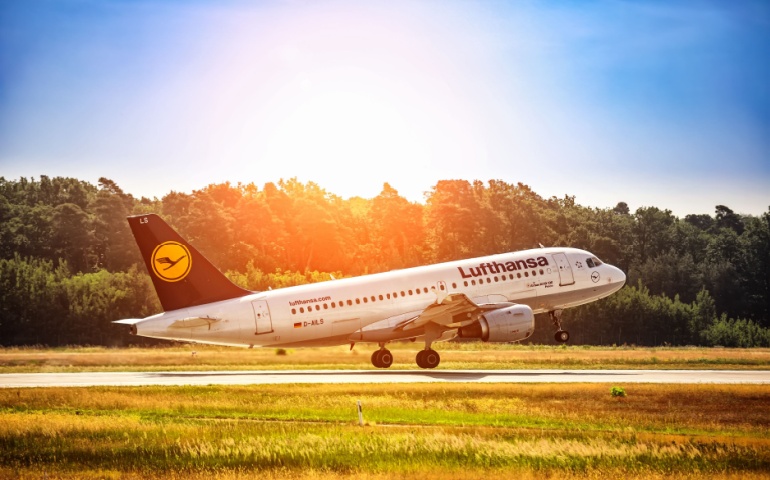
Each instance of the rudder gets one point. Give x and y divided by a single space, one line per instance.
182 276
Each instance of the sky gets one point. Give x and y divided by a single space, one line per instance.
653 103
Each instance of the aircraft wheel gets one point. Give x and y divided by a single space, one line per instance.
561 336
386 358
376 361
419 358
428 359
382 358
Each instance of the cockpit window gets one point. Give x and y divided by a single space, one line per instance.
593 262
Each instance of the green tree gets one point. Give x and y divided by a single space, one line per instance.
452 220
72 236
396 229
652 233
113 244
755 251
726 218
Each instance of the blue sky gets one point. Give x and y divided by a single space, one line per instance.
653 103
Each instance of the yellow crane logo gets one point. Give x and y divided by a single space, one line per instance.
171 261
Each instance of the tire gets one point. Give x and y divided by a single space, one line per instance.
562 336
376 358
428 359
386 358
419 359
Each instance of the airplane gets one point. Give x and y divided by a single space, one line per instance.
492 298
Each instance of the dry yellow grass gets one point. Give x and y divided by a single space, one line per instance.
529 431
454 356
236 474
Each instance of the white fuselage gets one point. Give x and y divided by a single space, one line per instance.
341 311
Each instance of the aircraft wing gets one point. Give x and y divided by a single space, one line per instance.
453 311
449 312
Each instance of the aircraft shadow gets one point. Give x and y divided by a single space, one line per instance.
438 375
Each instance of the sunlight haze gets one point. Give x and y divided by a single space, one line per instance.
650 103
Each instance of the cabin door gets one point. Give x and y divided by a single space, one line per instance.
262 317
565 270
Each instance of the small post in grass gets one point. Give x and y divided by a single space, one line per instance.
360 415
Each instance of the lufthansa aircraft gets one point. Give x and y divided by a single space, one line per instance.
492 298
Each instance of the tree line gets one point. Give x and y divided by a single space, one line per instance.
69 264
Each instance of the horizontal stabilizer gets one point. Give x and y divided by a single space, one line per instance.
194 322
128 321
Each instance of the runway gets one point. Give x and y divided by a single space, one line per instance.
272 377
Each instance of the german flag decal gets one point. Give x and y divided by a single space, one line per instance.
298 325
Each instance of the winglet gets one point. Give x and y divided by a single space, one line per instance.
182 276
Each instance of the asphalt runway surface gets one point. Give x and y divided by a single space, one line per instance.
272 377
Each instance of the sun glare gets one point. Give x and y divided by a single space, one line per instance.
347 128
332 102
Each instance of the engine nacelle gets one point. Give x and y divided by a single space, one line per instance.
509 324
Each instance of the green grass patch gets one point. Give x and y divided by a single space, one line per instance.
412 431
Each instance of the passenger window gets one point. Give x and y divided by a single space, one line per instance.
293 311
382 298
350 302
366 300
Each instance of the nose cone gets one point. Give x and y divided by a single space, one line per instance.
617 277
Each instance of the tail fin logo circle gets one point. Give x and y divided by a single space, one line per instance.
171 261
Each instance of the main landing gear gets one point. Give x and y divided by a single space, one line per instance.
428 358
382 358
560 336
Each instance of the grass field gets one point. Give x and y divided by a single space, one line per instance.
411 431
453 356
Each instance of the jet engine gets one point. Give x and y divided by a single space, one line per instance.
509 324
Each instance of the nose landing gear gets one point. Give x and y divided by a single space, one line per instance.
560 336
